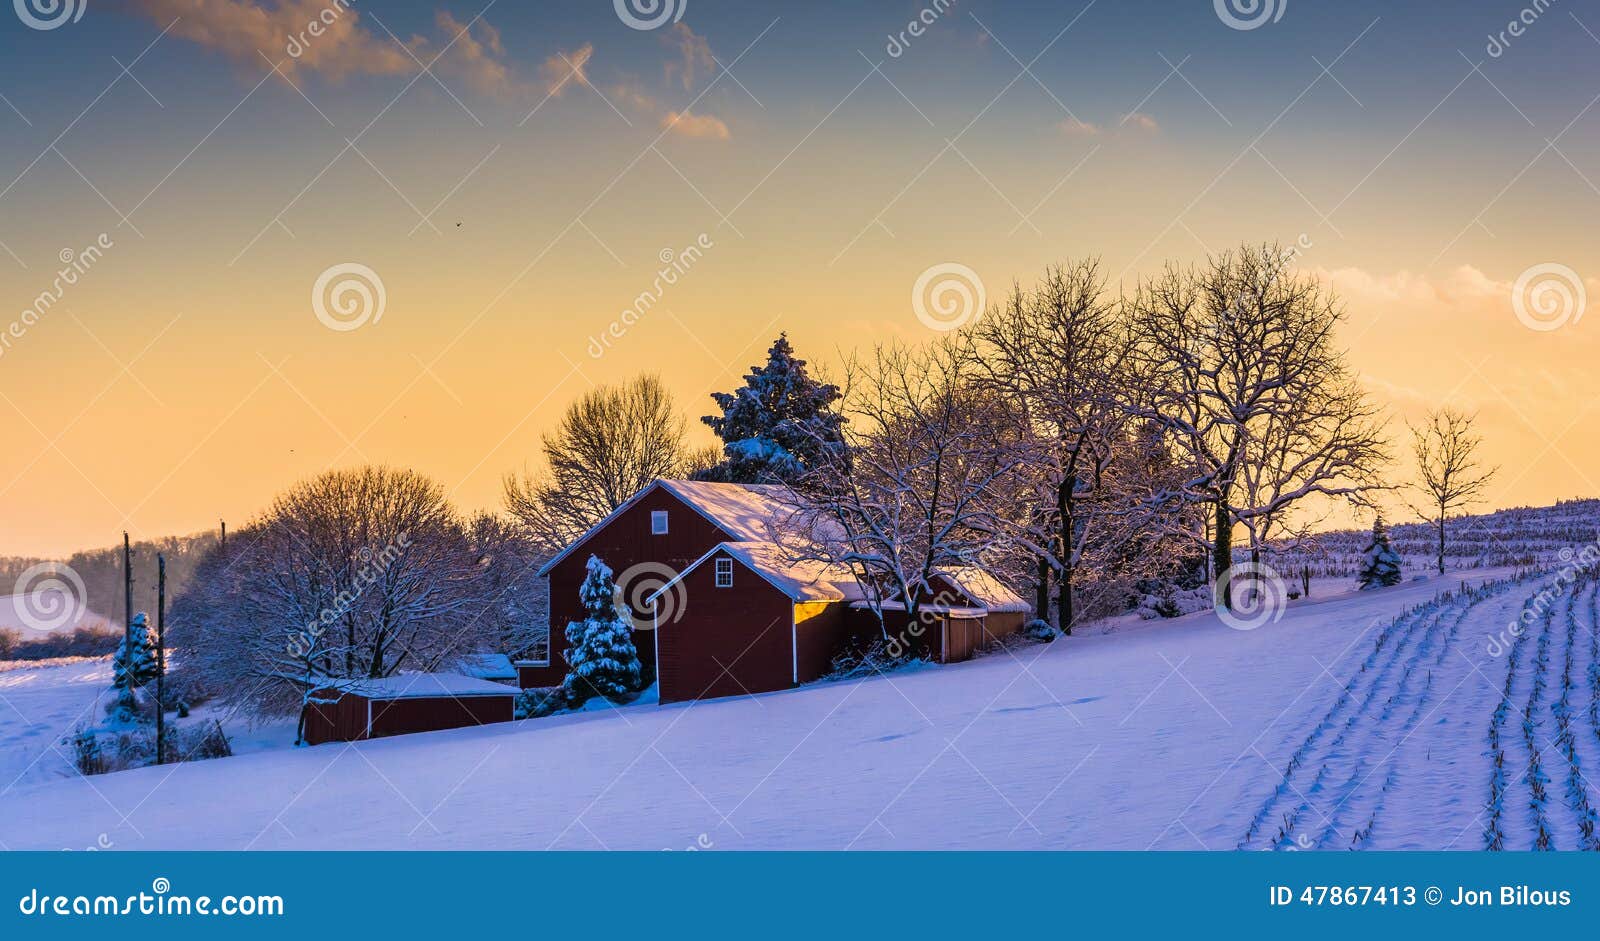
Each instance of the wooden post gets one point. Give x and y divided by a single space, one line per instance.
161 658
223 544
127 588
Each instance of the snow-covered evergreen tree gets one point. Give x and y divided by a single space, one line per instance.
135 662
776 426
601 658
1380 564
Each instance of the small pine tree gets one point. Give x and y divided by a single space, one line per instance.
135 661
1380 564
777 427
601 658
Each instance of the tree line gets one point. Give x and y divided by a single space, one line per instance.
1083 445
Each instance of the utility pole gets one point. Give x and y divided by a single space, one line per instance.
127 590
161 658
224 542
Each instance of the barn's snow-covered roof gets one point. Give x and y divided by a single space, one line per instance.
746 512
423 686
487 666
799 579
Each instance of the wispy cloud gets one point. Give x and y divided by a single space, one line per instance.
704 126
1135 123
566 68
694 55
333 40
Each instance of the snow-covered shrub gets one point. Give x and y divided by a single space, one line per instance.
86 753
1039 630
601 658
135 661
1380 564
540 702
873 659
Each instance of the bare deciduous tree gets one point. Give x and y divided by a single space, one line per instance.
1246 378
1446 450
349 575
1060 350
609 445
918 487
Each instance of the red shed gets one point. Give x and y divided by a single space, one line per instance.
646 542
410 702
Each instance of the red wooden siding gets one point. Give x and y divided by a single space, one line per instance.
746 629
346 719
624 542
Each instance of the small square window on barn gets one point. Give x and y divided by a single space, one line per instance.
724 573
658 522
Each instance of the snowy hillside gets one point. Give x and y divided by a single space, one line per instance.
1525 536
1367 720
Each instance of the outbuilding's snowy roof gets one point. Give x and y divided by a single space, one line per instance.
983 588
487 666
746 512
423 686
800 580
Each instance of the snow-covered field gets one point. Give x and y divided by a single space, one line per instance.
1358 719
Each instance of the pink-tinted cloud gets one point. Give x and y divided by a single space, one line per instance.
694 55
703 126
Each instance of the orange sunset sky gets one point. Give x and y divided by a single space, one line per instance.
517 196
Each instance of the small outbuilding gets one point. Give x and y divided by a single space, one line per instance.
409 702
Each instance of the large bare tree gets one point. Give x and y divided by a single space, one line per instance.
1244 373
1446 449
611 443
1060 350
351 575
921 482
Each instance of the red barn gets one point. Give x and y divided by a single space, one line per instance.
720 609
646 542
409 702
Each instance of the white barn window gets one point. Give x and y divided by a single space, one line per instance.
724 573
658 522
